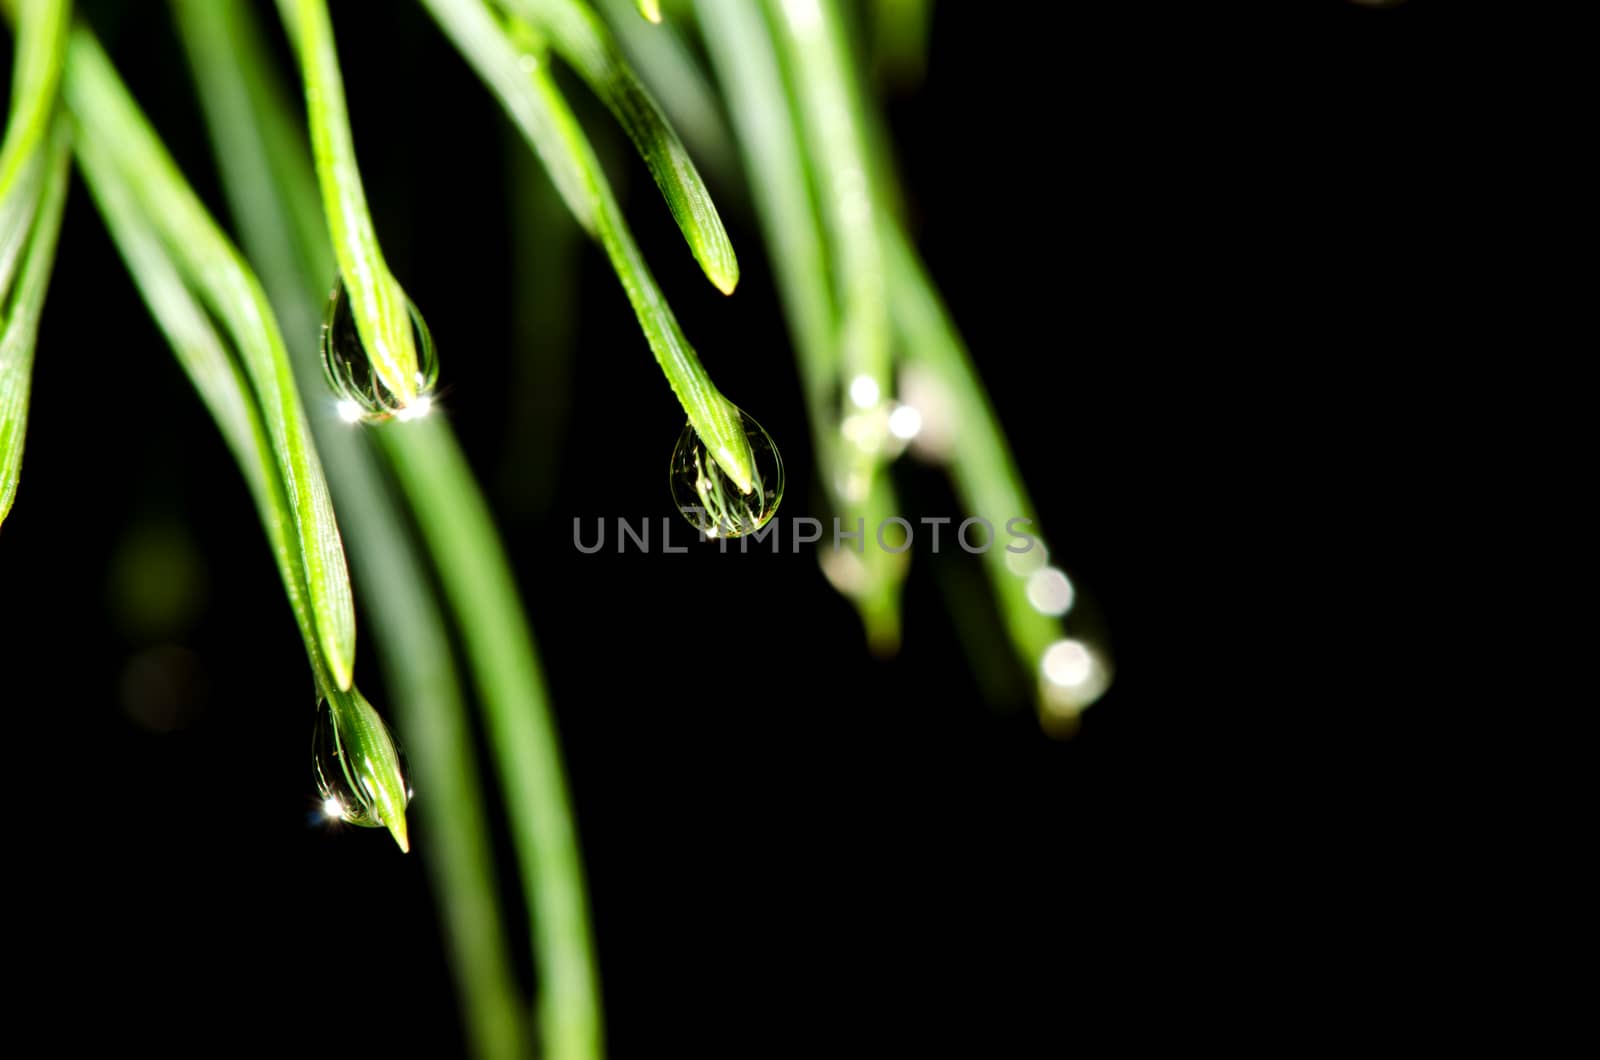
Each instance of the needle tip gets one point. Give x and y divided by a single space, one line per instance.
398 830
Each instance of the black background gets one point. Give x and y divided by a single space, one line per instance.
1162 230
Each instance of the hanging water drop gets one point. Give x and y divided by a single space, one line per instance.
355 764
713 502
1073 674
363 394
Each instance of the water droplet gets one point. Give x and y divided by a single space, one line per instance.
710 500
1050 591
363 395
346 776
1072 675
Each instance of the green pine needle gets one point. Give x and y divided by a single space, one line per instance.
16 219
41 36
209 263
268 176
792 156
665 60
518 72
216 374
584 41
19 313
377 302
824 82
32 196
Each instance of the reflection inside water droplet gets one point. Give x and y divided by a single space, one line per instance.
710 500
363 395
345 783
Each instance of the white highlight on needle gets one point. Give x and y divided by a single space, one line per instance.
905 422
864 391
1067 663
803 15
416 410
